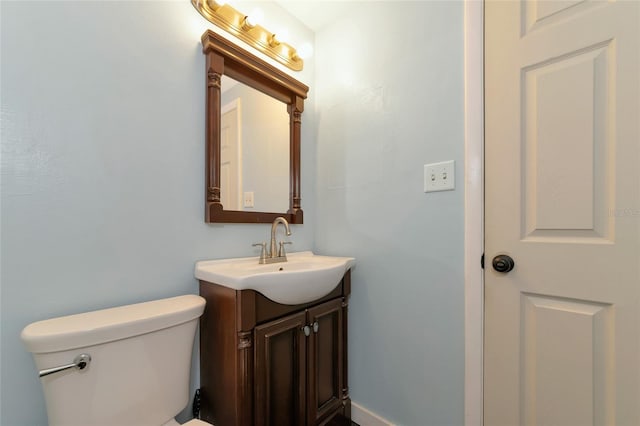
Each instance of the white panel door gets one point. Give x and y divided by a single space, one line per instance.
562 329
231 157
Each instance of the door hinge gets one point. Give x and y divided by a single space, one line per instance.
196 405
482 261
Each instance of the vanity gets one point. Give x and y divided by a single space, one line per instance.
273 336
274 362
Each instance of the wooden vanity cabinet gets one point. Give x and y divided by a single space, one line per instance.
267 364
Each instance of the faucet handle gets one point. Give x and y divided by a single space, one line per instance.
281 252
263 251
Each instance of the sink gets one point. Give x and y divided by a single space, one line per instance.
305 276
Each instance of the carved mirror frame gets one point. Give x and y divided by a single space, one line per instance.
225 58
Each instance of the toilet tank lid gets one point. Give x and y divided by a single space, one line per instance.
107 325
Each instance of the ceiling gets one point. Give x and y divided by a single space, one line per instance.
316 14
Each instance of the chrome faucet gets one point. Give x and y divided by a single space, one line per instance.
275 254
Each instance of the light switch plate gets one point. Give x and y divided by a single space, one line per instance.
248 199
439 176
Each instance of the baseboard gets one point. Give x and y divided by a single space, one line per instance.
364 417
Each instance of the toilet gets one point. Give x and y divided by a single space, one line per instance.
124 366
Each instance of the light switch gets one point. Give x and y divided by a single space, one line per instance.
248 199
439 176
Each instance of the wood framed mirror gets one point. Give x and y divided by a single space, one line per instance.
229 63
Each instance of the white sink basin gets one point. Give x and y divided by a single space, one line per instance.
304 277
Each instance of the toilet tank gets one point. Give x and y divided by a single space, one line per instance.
140 362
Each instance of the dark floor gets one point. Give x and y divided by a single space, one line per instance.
340 420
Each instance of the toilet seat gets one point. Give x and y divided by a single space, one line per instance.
196 422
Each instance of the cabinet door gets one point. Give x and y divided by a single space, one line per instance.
325 362
280 377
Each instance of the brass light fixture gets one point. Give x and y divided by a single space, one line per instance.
240 25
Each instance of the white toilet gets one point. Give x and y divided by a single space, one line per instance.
138 372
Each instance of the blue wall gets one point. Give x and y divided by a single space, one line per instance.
102 181
390 99
103 168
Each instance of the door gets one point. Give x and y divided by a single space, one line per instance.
325 358
562 329
280 362
231 156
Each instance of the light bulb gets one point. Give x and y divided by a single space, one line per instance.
305 51
283 35
216 4
256 17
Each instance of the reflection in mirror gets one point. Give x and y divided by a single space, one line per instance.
254 149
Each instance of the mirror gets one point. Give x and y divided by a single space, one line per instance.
253 119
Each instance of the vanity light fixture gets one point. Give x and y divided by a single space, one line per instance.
242 26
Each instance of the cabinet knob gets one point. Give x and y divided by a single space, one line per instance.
316 326
307 330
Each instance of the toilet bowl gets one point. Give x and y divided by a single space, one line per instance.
125 366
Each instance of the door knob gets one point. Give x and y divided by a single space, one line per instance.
503 263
